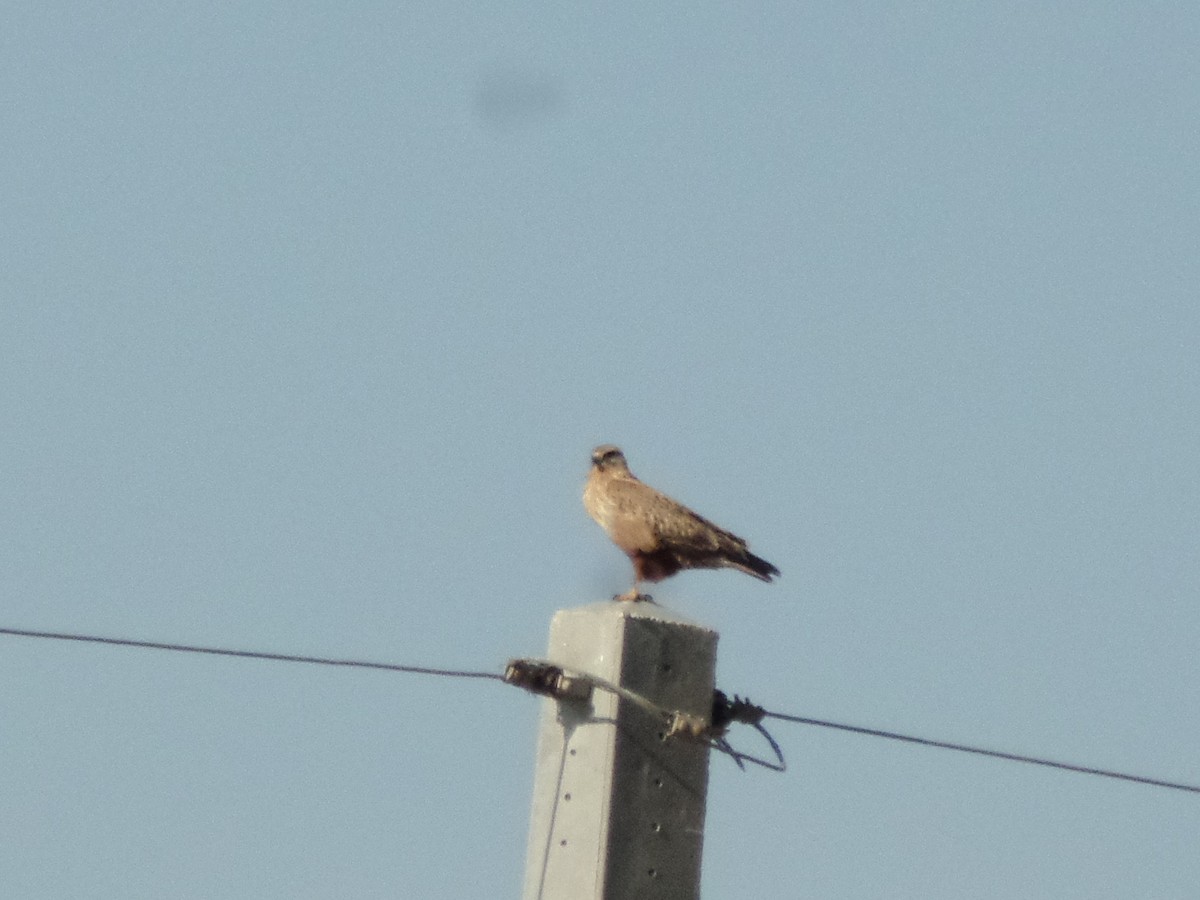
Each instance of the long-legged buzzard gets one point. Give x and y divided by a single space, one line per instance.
659 536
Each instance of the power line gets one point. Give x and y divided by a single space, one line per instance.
250 654
738 710
547 678
981 751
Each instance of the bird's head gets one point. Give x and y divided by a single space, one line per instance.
609 458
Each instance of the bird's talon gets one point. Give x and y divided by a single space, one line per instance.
633 596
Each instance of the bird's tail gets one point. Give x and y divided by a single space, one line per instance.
756 566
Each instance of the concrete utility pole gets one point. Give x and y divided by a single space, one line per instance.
618 808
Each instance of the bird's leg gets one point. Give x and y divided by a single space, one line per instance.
633 595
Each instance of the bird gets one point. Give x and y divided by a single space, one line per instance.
659 535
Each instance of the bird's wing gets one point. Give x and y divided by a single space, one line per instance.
651 520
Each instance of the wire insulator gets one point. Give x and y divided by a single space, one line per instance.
546 679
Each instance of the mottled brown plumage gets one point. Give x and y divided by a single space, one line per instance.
659 536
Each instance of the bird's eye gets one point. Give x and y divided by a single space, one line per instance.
603 455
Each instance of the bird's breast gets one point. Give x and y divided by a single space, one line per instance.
599 504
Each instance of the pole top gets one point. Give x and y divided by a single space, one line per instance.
612 610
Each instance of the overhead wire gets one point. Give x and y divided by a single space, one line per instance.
725 712
982 751
251 654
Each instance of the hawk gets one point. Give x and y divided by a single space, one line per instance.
659 536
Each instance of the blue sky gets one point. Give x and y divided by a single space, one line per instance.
311 315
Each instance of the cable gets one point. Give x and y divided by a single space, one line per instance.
997 754
738 710
540 676
250 654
